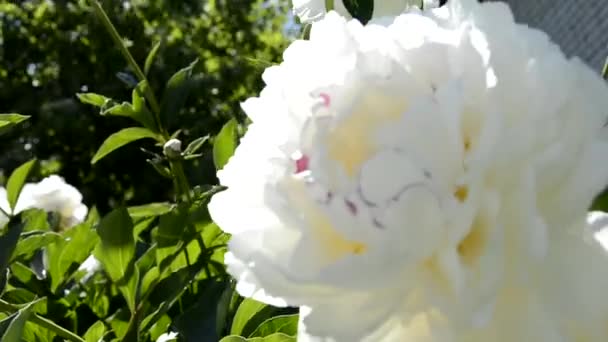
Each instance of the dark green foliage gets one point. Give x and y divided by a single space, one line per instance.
52 50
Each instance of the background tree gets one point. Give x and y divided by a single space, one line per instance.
50 50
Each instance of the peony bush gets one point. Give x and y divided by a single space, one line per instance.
411 171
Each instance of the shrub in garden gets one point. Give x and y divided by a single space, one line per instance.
409 172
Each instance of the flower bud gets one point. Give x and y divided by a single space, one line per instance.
172 148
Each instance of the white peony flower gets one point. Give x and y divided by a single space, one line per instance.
424 178
313 10
52 194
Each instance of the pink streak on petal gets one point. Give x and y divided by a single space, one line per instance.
326 99
302 164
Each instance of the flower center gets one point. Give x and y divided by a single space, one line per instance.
352 140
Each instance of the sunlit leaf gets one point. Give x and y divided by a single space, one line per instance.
151 56
122 138
116 248
250 315
93 99
67 254
286 324
34 242
17 180
95 332
7 121
14 329
151 209
225 144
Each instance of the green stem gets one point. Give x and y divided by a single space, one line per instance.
101 14
329 5
43 322
605 70
181 181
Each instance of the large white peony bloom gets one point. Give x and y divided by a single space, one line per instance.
313 10
424 178
52 194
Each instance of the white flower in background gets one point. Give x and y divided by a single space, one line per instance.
52 194
90 266
167 337
423 179
314 10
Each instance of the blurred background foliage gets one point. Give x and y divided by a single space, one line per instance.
51 50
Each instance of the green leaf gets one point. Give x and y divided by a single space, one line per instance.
176 92
226 307
116 249
195 145
121 138
141 113
250 315
286 324
8 241
7 121
225 144
119 322
93 99
67 254
18 296
149 210
151 57
362 10
199 322
279 337
30 244
234 338
130 288
16 181
35 220
95 332
160 327
14 330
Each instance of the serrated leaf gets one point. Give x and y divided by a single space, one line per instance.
362 10
16 181
151 56
95 332
7 121
286 324
176 92
96 100
122 138
116 248
225 144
